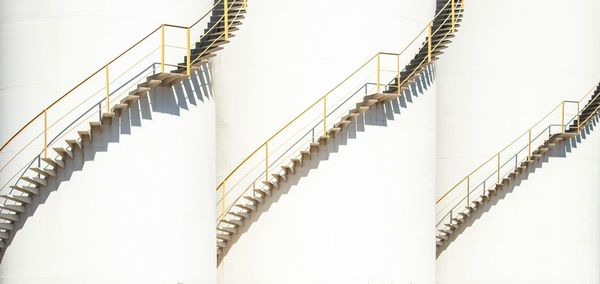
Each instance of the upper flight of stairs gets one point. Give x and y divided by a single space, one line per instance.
29 185
242 208
448 227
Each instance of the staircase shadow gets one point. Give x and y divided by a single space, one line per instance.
187 94
561 150
376 116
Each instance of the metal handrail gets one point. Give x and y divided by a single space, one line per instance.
100 70
512 143
323 99
454 204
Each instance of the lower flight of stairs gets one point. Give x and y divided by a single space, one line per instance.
460 218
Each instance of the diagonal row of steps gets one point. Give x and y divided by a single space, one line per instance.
249 202
28 186
461 217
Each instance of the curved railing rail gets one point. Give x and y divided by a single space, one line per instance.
157 52
563 118
314 122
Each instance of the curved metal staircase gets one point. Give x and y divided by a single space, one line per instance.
30 176
247 187
459 206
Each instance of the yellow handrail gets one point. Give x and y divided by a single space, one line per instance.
100 70
527 132
323 99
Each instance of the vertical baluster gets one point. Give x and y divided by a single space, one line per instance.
498 168
189 53
429 43
325 116
162 48
107 91
453 17
267 161
563 117
46 134
398 78
226 20
378 72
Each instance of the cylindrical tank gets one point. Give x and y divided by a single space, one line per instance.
346 220
512 63
137 204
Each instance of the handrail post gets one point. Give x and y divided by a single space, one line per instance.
529 142
267 161
498 168
378 71
245 5
325 116
162 48
578 117
429 43
462 4
562 123
453 17
189 53
223 199
45 134
398 78
226 17
468 190
107 91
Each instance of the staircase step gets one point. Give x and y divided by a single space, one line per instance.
54 163
231 230
279 177
63 152
150 83
235 223
221 244
4 235
26 189
140 91
35 180
246 207
44 172
225 237
289 169
74 144
263 192
85 135
242 215
108 115
7 226
254 199
271 185
95 124
297 162
13 208
17 198
10 217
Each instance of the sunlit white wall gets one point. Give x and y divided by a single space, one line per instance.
286 56
137 206
511 64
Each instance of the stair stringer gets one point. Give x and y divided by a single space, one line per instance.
541 228
327 204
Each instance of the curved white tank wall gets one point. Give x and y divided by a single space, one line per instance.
363 213
142 211
510 65
545 231
139 210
